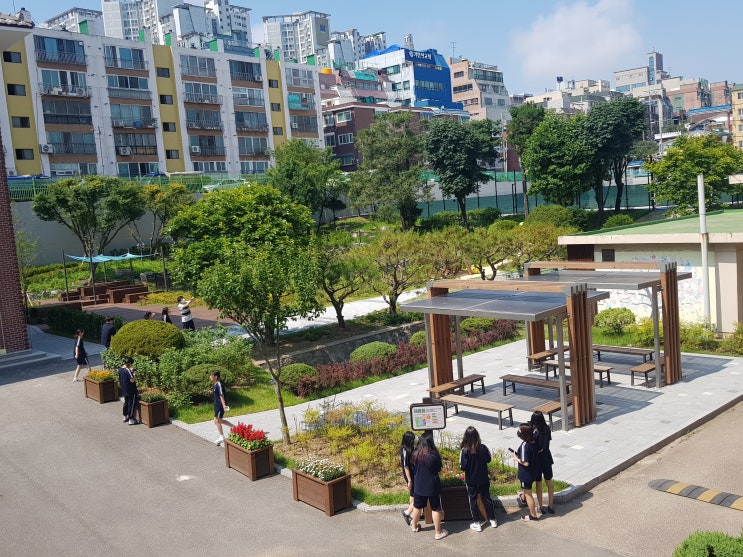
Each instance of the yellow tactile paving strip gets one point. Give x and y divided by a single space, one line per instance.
721 498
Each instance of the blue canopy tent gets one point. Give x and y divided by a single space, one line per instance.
100 259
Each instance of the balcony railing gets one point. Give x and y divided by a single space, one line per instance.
254 152
128 150
301 106
134 122
248 101
126 64
65 90
189 69
211 151
201 98
303 128
73 148
204 124
251 126
301 82
244 76
68 119
123 93
61 57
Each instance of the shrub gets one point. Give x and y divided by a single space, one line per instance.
642 333
614 320
195 381
473 325
145 337
503 224
418 339
291 373
440 220
734 343
618 220
697 336
372 350
387 214
704 544
384 317
483 217
67 321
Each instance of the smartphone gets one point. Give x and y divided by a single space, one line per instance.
510 449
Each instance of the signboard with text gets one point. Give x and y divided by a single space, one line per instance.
419 56
427 416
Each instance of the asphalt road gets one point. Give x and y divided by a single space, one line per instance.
76 481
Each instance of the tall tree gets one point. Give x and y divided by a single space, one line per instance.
454 150
558 159
25 248
524 120
93 208
612 129
675 175
487 248
163 202
342 271
391 154
260 288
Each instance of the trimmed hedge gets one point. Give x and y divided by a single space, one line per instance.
473 325
146 337
66 321
710 544
614 320
291 373
373 350
195 381
418 339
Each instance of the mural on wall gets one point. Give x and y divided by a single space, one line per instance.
639 301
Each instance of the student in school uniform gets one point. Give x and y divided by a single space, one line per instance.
220 406
473 459
81 356
186 317
526 458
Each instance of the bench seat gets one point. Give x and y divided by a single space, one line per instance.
597 368
646 353
456 400
553 406
533 381
645 369
459 384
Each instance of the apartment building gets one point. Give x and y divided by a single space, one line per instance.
345 48
302 37
81 104
737 115
480 89
77 20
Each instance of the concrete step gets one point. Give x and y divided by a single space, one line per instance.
26 358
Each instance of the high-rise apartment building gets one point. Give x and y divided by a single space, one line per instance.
480 89
301 37
77 20
345 48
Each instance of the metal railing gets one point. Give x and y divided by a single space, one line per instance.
73 148
212 151
124 150
112 62
201 98
247 101
246 76
134 122
61 57
254 152
122 93
252 126
204 124
65 90
190 69
70 119
301 106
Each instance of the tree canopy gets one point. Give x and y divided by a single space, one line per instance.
524 120
163 202
93 208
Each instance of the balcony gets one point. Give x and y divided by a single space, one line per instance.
126 64
210 151
121 93
300 82
251 126
134 122
303 128
201 98
129 150
73 148
242 76
254 152
204 124
301 106
68 119
65 90
189 69
61 57
247 101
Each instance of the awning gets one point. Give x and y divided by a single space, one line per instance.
107 258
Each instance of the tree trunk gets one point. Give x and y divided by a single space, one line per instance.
462 202
598 190
526 197
338 306
392 301
282 412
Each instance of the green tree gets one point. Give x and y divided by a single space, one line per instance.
93 208
306 174
537 242
524 120
163 202
342 271
642 150
454 150
487 248
260 288
558 159
612 129
391 152
444 250
25 249
675 175
224 220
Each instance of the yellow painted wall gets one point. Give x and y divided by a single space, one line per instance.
22 138
278 119
163 56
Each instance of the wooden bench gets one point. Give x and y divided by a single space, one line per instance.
116 295
456 400
553 406
470 380
533 381
645 369
538 358
597 368
134 297
646 353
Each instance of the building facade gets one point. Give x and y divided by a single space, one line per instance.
480 89
737 115
77 20
302 37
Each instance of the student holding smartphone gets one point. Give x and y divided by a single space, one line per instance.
525 457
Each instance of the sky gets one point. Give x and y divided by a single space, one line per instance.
531 41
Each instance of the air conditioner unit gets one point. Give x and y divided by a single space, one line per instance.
56 90
295 126
118 123
195 150
192 125
11 173
47 148
259 77
64 173
125 151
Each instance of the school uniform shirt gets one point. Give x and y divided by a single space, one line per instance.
475 465
405 456
426 480
166 319
527 452
107 331
185 313
125 382
218 393
542 442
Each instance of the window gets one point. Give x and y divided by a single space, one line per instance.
21 122
330 140
740 95
406 85
122 57
347 160
168 126
458 74
328 120
197 65
396 86
429 85
487 101
607 255
163 72
15 57
345 138
166 99
24 154
462 88
278 130
15 89
172 154
273 83
275 107
344 117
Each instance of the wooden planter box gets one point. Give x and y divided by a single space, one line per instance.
456 505
329 497
105 391
154 413
253 464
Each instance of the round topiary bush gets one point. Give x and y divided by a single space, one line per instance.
373 350
146 338
618 220
195 380
418 339
291 373
614 320
475 325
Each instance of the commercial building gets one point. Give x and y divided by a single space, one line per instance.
480 89
576 96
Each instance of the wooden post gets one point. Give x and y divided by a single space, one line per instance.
535 328
671 322
440 339
581 354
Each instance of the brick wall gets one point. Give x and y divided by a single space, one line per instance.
13 332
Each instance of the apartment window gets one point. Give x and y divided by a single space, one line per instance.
163 72
275 107
166 99
487 101
330 140
740 95
345 138
15 57
15 89
273 83
21 121
458 74
168 126
24 154
396 86
344 117
607 255
278 130
172 154
347 160
406 85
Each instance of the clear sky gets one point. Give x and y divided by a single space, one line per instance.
531 41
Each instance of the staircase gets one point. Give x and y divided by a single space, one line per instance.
26 358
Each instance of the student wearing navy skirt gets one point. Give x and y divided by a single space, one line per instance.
220 406
473 459
406 453
542 438
427 485
81 356
526 456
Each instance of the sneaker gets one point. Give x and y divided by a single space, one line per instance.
441 535
219 440
407 518
551 510
493 524
125 419
132 422
476 527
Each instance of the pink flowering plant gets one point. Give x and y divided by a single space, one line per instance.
248 438
451 478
